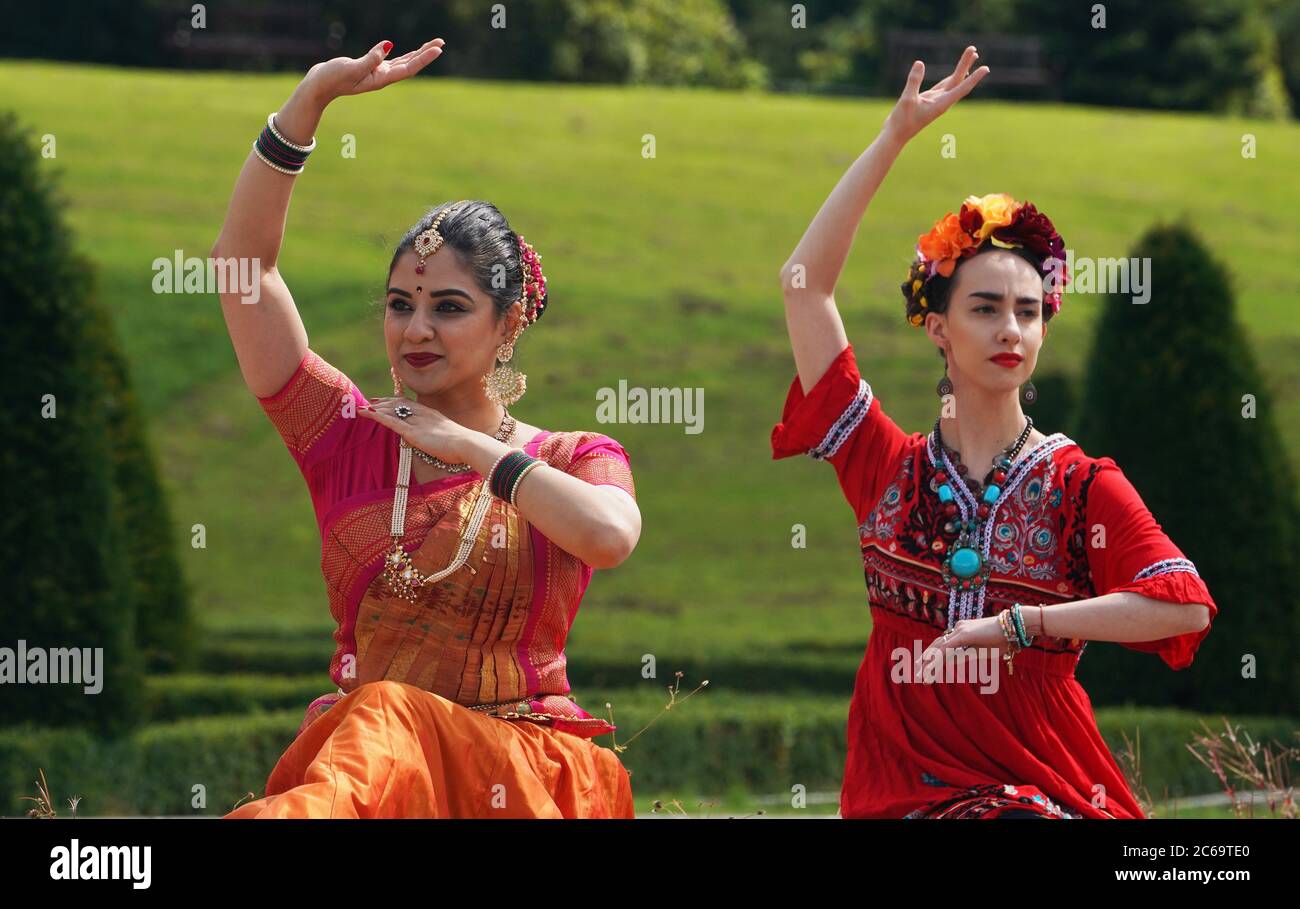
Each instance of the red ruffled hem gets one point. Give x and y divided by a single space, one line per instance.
1173 587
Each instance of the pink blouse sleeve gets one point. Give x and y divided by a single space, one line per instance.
841 421
601 461
1140 558
337 451
309 412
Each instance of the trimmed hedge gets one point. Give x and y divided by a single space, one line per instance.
192 695
713 743
1164 396
151 771
777 670
64 548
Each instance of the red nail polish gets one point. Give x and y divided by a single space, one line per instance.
388 45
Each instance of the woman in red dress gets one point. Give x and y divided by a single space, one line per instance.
983 596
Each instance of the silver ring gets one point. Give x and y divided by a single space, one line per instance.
402 411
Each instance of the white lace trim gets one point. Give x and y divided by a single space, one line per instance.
1165 566
843 427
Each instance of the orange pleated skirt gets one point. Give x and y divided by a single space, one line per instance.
392 750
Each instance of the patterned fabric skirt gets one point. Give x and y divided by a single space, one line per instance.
392 750
995 801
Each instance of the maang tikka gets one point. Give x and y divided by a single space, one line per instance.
429 241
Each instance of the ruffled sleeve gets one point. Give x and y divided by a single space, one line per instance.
315 410
601 461
840 420
1139 557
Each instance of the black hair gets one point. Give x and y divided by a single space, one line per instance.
483 243
938 291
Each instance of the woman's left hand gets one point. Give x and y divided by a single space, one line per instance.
426 429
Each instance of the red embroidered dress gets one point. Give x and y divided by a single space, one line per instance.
1031 745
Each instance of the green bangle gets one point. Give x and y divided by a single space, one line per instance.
507 472
1021 634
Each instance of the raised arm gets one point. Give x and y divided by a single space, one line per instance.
809 276
269 337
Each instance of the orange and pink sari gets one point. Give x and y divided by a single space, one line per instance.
399 738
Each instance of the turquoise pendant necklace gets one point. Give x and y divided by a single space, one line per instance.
963 567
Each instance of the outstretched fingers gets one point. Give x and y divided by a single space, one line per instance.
968 56
914 77
425 49
409 64
964 89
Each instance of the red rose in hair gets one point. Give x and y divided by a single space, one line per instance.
1035 230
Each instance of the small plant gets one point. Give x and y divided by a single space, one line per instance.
1234 759
1130 761
673 691
676 810
44 803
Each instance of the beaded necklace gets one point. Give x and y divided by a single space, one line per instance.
963 567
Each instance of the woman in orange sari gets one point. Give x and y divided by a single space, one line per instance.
456 541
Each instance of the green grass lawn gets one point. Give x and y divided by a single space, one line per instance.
663 272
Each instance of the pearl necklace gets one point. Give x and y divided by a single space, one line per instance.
403 579
964 568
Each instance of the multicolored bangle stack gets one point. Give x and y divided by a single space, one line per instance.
509 471
278 152
1017 638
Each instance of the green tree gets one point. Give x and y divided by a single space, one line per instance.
86 558
1169 391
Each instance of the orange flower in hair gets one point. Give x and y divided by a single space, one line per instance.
945 244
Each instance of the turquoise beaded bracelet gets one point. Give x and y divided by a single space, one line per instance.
1018 620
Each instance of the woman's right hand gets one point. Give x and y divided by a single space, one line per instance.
916 109
341 76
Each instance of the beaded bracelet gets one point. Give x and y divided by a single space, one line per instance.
1013 645
279 153
1021 633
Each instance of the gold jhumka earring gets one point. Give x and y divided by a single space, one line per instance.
505 385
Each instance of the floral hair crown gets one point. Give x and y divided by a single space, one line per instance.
999 219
